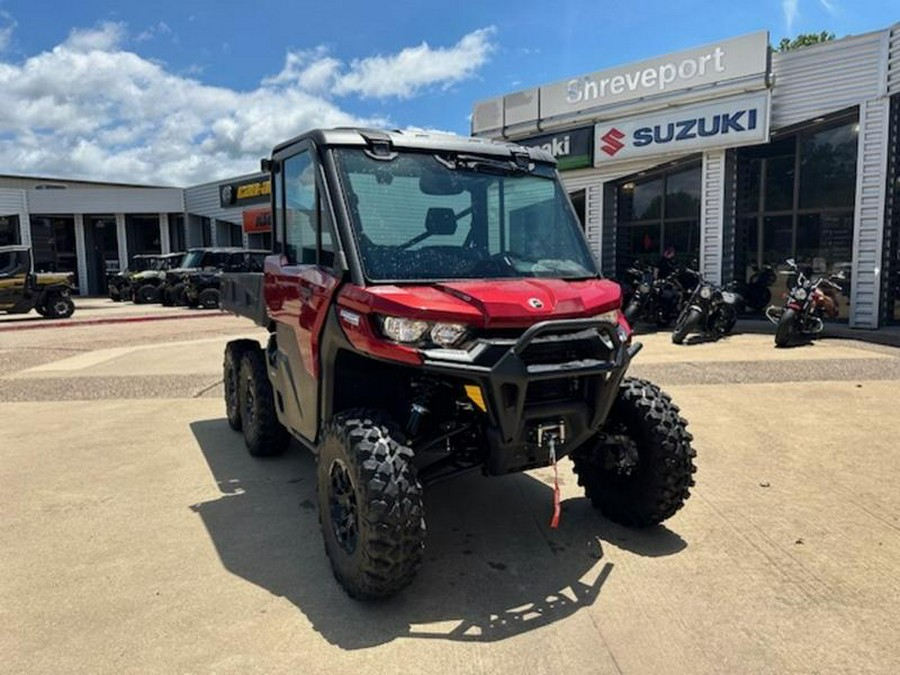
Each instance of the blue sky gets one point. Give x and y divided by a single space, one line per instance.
185 92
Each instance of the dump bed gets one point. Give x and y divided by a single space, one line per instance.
241 293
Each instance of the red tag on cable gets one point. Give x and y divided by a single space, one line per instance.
554 521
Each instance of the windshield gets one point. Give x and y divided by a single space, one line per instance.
192 259
422 216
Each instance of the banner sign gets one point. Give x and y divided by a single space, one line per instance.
727 123
573 149
257 220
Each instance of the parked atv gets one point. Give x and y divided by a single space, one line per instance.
118 284
21 289
202 287
709 310
174 281
434 309
146 285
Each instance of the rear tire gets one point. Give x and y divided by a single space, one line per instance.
208 298
231 371
685 327
640 470
58 306
787 328
264 435
370 504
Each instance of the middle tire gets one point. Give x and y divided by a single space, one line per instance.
231 371
370 504
264 435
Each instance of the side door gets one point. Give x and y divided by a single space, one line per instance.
14 271
300 286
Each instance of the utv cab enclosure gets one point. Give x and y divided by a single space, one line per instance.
433 308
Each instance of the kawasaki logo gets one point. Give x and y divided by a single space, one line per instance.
611 141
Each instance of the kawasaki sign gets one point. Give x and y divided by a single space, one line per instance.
726 123
573 149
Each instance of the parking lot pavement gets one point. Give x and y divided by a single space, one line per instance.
139 536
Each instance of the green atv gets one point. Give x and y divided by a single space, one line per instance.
21 289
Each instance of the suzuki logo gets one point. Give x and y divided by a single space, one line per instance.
612 142
534 302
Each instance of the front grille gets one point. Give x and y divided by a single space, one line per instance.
555 349
554 391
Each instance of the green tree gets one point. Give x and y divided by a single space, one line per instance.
804 40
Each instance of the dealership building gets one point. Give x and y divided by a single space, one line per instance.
737 156
91 229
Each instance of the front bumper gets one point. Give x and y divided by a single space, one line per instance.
564 372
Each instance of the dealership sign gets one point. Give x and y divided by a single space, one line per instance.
256 221
253 191
573 149
731 122
744 58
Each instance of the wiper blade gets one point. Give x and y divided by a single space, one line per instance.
484 164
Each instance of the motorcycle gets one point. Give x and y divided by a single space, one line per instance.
807 303
757 295
653 300
710 310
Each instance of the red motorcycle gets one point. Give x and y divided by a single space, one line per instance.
807 303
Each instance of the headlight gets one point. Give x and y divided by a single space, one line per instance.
800 293
447 334
403 330
611 316
706 292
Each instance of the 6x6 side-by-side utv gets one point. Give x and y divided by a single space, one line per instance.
433 308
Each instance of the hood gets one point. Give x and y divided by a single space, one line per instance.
504 302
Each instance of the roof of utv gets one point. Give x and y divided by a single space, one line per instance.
416 140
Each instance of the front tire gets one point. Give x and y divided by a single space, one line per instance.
640 470
370 505
685 326
264 435
146 294
787 328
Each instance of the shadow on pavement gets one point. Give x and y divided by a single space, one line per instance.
493 567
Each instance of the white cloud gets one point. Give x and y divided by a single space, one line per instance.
89 108
7 28
789 7
829 6
405 74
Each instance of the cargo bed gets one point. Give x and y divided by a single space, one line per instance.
242 294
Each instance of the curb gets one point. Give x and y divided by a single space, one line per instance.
97 322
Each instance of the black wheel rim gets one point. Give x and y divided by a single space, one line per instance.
342 506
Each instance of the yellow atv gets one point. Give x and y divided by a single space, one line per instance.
21 289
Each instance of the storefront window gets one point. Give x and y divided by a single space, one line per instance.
53 244
142 234
795 200
9 231
177 241
655 213
828 167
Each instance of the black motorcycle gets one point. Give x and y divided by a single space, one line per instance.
808 302
653 300
710 310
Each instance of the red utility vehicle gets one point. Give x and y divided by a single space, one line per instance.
433 308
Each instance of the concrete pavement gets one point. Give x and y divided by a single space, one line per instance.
139 536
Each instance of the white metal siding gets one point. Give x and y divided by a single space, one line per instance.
824 78
12 203
893 64
123 200
712 214
868 234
